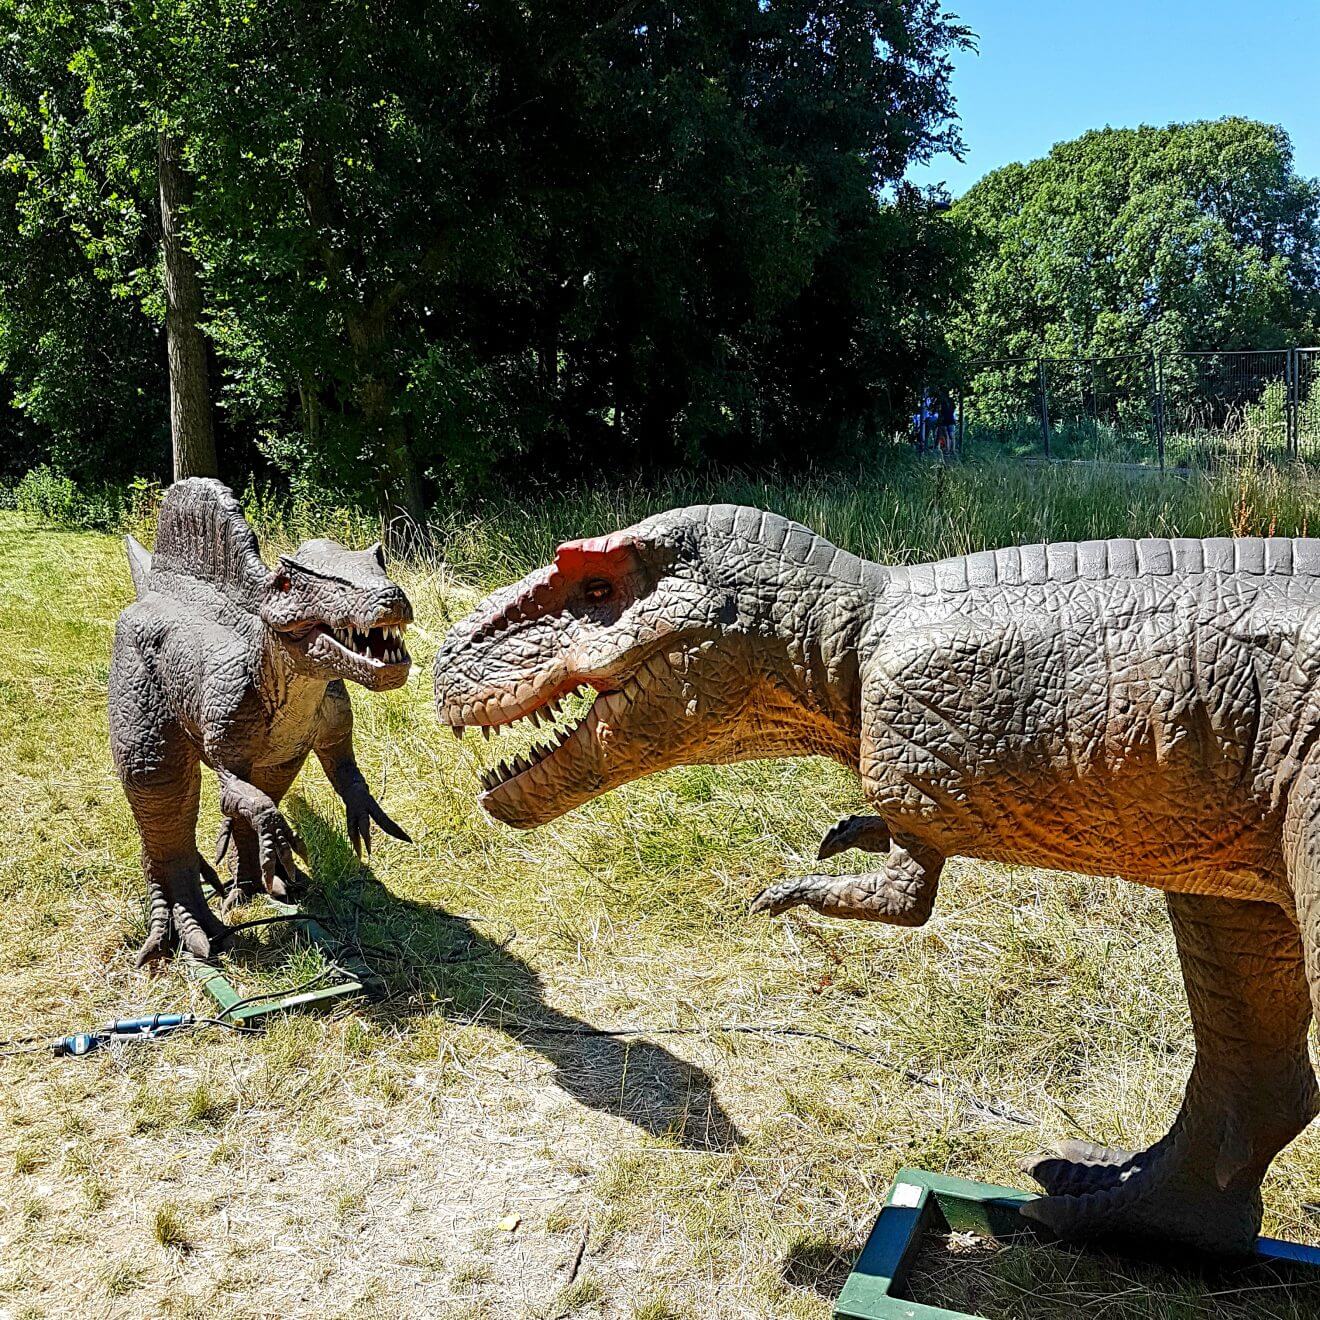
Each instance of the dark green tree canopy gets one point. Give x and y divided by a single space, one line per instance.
1194 236
442 240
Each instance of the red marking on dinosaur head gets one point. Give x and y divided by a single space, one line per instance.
596 553
596 567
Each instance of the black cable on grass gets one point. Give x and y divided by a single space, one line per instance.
44 1044
43 1047
993 1109
278 918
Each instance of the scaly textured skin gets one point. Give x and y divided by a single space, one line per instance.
1143 708
224 662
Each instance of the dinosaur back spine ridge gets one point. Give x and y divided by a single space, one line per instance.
202 534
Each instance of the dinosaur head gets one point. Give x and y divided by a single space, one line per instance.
681 626
338 615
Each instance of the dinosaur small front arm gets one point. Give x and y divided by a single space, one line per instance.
334 749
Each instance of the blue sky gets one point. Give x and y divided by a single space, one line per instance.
1049 70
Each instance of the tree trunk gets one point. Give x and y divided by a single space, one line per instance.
190 398
397 485
399 489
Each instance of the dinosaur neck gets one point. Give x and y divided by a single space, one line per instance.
811 701
279 680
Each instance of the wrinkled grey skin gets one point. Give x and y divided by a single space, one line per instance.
1146 709
224 662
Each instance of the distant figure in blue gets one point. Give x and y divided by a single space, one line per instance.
923 423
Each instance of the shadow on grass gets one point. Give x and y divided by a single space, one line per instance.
434 961
819 1266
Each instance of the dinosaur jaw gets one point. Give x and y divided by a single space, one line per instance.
375 658
608 745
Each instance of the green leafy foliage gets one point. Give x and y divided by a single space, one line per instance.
444 244
1195 236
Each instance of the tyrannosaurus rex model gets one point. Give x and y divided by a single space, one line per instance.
1141 708
222 660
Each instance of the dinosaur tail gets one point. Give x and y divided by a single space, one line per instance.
139 564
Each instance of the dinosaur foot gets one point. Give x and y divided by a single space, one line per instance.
181 920
277 874
1155 1195
1075 1168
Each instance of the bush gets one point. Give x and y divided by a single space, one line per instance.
56 498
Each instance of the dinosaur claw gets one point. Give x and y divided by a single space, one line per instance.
223 840
777 898
866 832
152 951
389 826
1076 1168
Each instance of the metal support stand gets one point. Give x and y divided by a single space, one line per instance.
359 979
919 1203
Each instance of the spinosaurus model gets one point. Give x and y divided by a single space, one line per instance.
1147 708
223 661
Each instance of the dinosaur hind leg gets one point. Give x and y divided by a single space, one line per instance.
165 807
1251 1091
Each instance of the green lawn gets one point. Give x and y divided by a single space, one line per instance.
467 1148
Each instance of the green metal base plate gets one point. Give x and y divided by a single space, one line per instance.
358 978
921 1203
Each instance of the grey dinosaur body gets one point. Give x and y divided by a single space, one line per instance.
1146 709
224 662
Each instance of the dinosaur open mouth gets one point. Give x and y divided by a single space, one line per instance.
505 770
384 646
495 717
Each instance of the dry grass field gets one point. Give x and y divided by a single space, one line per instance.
472 1145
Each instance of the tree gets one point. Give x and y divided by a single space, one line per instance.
190 394
438 243
80 343
1194 236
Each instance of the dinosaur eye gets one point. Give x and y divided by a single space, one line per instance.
597 589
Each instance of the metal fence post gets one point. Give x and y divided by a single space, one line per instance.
1157 376
1044 406
1292 402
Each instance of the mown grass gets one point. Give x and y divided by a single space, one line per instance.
370 1160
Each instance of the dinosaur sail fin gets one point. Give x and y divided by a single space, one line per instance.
139 564
202 534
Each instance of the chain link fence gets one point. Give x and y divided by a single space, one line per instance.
1158 409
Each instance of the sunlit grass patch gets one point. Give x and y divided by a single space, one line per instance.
360 1159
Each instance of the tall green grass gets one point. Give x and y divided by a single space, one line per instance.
894 508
